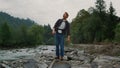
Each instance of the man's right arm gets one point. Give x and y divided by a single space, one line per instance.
55 26
53 31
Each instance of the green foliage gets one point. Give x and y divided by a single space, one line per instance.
93 30
48 38
14 21
77 25
94 25
36 34
117 33
5 34
17 32
100 5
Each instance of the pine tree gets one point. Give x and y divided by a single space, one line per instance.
5 34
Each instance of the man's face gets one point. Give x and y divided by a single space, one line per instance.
65 16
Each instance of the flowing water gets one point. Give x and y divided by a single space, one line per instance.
24 53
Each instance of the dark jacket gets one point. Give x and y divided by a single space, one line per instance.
67 27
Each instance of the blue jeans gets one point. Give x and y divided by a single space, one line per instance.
59 40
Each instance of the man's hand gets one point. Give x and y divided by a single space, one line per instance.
68 39
53 31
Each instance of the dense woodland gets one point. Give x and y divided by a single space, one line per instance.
16 32
97 24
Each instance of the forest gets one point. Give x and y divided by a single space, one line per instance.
96 25
16 32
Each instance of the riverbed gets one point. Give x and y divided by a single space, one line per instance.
42 56
15 54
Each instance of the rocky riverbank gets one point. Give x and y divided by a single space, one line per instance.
42 56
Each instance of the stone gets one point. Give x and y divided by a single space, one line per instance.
4 66
42 65
61 65
31 64
82 66
117 66
94 65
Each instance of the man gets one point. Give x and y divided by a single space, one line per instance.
60 29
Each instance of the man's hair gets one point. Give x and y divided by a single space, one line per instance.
67 13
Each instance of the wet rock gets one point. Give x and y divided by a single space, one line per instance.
68 50
42 65
61 65
42 57
117 66
69 58
17 63
106 66
1 66
75 63
52 50
94 65
30 64
4 66
82 66
82 58
44 48
80 52
106 61
101 59
65 58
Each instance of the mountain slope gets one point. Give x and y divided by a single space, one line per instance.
14 21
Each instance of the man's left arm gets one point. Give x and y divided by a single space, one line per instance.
68 33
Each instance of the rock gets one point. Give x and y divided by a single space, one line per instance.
82 66
76 66
69 58
80 52
81 58
5 62
4 66
75 63
65 58
101 59
94 65
75 57
61 65
68 50
25 63
42 65
31 64
52 50
117 66
44 48
105 66
1 66
17 63
106 61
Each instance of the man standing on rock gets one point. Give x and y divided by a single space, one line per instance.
60 29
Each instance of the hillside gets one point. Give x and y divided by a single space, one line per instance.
14 21
17 32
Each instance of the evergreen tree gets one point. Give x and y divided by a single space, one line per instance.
36 34
5 34
100 6
111 22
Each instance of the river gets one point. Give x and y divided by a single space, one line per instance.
24 53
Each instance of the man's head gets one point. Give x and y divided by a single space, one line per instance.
65 15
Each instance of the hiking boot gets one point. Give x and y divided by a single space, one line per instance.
61 58
56 57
